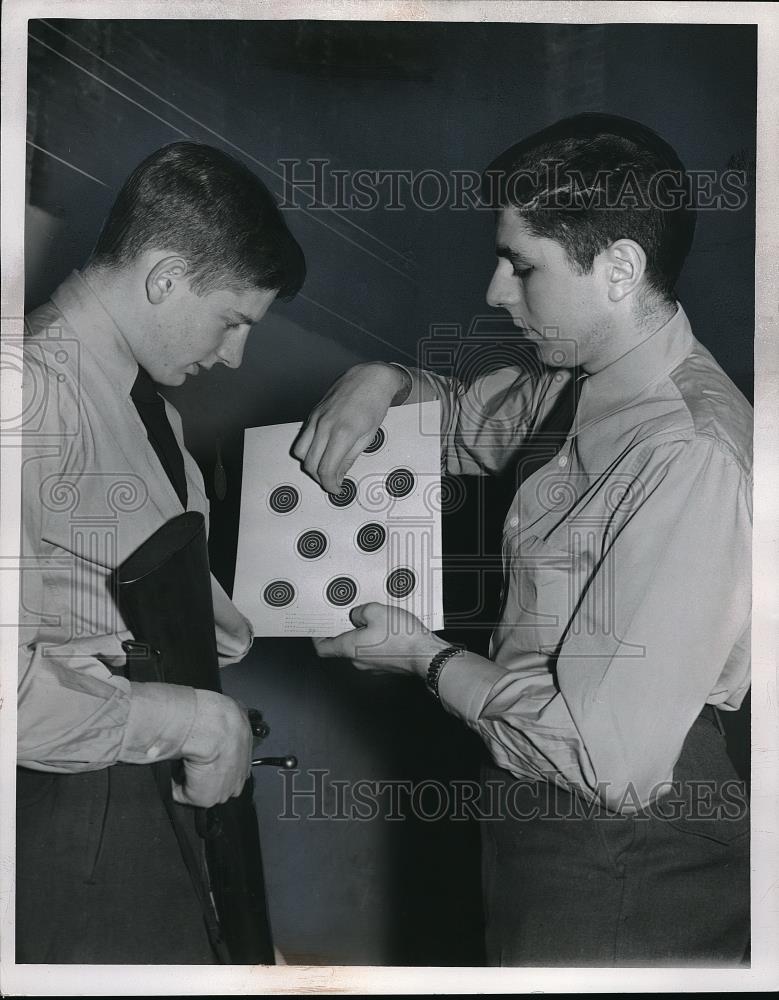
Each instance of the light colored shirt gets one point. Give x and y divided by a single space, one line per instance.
626 559
93 490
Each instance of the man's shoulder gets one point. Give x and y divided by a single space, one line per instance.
51 372
715 407
49 340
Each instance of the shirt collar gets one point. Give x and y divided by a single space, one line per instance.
616 385
97 330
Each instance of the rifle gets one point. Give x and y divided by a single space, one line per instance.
164 595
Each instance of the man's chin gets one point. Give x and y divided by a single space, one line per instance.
555 356
171 378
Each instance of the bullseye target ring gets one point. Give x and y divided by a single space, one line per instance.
399 483
278 594
284 499
401 582
346 496
377 443
371 537
341 591
312 544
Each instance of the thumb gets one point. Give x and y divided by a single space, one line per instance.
359 615
324 647
178 794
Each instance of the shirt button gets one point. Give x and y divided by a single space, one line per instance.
513 522
562 461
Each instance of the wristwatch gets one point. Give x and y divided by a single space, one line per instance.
437 664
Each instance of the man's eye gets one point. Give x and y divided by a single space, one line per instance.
522 272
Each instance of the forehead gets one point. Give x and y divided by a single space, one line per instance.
249 303
512 232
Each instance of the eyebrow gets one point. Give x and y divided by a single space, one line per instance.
501 250
238 317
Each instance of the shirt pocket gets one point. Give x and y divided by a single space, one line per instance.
543 590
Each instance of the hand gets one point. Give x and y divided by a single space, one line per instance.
386 640
217 753
344 422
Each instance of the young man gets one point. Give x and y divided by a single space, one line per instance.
626 605
190 258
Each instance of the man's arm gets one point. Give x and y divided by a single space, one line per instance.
482 425
234 632
608 715
677 576
74 713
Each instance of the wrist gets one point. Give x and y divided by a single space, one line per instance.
159 722
390 381
437 665
427 650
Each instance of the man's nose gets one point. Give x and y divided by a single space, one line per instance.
503 290
231 351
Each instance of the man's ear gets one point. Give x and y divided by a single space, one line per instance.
162 278
625 264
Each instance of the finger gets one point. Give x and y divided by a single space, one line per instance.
340 443
180 795
350 457
338 645
314 454
339 459
359 616
302 442
328 648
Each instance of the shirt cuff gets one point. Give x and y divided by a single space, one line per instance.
424 388
227 652
465 683
160 718
402 395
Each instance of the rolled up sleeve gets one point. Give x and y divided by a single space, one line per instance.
483 425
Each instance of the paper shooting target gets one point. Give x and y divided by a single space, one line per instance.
306 557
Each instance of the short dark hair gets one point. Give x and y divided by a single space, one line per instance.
591 179
199 202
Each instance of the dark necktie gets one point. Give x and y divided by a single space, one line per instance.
542 446
151 409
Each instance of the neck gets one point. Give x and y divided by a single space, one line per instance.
628 332
113 289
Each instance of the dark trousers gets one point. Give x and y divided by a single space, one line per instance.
100 875
669 886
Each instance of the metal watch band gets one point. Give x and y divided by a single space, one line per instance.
437 664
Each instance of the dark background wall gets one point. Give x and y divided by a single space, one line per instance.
376 96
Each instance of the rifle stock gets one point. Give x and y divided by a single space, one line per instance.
164 595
